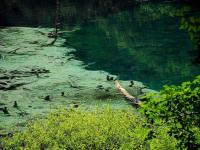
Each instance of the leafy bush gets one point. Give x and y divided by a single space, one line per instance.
191 25
179 108
76 129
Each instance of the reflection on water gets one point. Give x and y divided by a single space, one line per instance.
138 41
132 46
42 12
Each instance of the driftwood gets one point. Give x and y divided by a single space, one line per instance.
8 86
14 51
133 100
10 79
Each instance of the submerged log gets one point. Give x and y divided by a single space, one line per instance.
14 51
8 86
133 100
9 79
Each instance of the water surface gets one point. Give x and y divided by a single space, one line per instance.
137 47
134 41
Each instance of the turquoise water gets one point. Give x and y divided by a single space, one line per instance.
137 47
133 41
140 42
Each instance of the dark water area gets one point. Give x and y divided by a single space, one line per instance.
132 39
137 47
71 12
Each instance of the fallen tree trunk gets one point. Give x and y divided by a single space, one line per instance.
133 100
9 86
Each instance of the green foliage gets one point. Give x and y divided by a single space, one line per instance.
192 26
155 12
179 107
75 129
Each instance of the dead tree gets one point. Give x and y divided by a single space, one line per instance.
133 100
57 23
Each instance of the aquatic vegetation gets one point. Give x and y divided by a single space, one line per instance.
100 129
178 107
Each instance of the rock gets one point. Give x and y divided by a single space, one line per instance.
131 83
47 98
100 87
15 104
109 78
5 110
22 113
107 89
76 105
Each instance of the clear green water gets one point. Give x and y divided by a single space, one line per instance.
142 43
137 47
137 42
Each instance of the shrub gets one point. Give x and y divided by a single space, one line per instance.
179 108
100 129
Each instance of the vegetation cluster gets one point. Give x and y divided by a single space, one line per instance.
76 129
168 120
178 107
